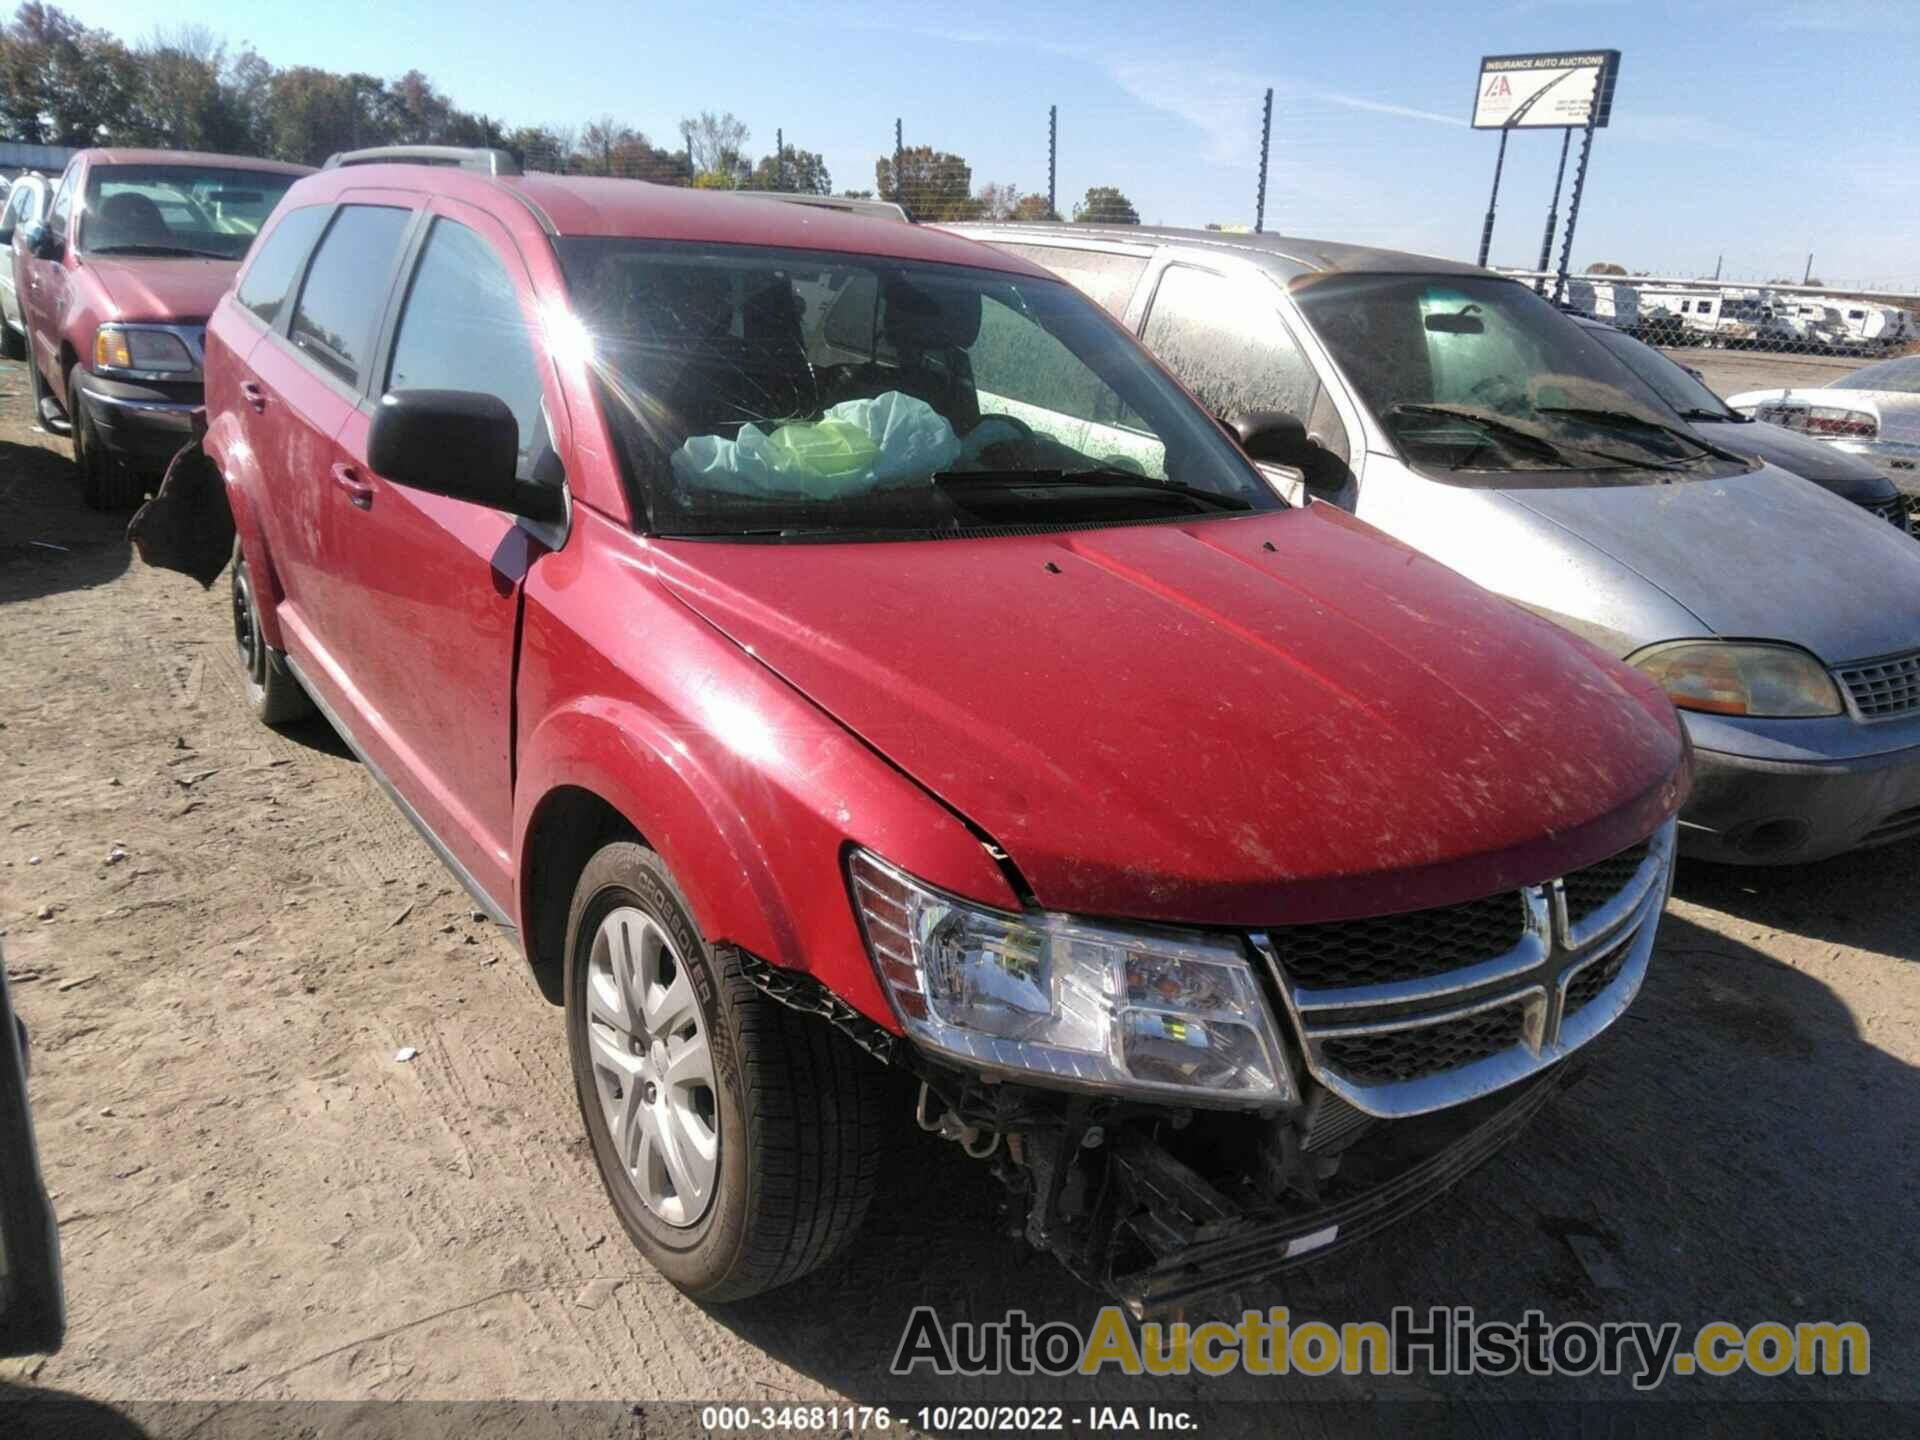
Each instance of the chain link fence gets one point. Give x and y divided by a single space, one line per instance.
1780 318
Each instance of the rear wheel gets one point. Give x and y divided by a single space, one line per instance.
272 693
738 1140
106 481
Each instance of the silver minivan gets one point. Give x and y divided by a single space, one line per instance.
26 202
1464 415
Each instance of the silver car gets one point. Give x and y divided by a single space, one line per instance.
1463 414
26 202
1874 413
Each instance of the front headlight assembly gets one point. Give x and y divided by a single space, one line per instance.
1741 677
140 350
1172 1015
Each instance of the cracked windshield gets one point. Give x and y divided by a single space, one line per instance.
789 394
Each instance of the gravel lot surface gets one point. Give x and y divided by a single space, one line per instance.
258 1201
1729 372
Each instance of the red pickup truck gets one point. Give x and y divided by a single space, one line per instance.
830 644
115 285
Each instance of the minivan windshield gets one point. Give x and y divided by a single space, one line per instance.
806 395
1473 374
193 211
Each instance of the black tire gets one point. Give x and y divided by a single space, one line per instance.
106 481
273 695
797 1105
13 345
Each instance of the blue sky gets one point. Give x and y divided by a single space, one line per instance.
1757 129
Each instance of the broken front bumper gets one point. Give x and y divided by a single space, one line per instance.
1171 1238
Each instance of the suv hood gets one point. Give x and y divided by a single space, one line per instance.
1760 556
1236 721
167 289
1829 467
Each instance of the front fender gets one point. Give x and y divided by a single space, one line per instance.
757 849
622 754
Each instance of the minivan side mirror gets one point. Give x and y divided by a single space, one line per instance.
1273 437
461 444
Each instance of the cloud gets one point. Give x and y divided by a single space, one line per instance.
1220 102
1381 107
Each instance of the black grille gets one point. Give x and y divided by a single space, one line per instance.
1427 1050
1596 977
1589 889
1401 947
1884 688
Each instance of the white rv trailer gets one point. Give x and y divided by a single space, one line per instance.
1613 301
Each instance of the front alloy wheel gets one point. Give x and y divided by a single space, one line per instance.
652 1066
739 1141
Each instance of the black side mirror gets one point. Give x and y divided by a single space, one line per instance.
1273 436
457 443
42 243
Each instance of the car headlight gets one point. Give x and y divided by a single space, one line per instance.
1069 1002
1736 677
140 351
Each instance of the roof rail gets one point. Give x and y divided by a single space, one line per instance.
460 157
846 204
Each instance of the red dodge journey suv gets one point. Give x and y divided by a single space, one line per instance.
841 654
115 287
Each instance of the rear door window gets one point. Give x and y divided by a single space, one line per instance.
1229 344
270 277
346 287
1103 277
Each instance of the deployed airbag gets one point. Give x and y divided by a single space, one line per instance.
856 446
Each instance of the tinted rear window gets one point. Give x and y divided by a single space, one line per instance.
347 285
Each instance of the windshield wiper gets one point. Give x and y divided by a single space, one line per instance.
1096 478
1540 444
1701 412
1559 449
158 250
1627 420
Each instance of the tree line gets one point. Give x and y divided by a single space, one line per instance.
66 83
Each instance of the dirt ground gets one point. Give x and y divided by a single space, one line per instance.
1731 372
221 937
